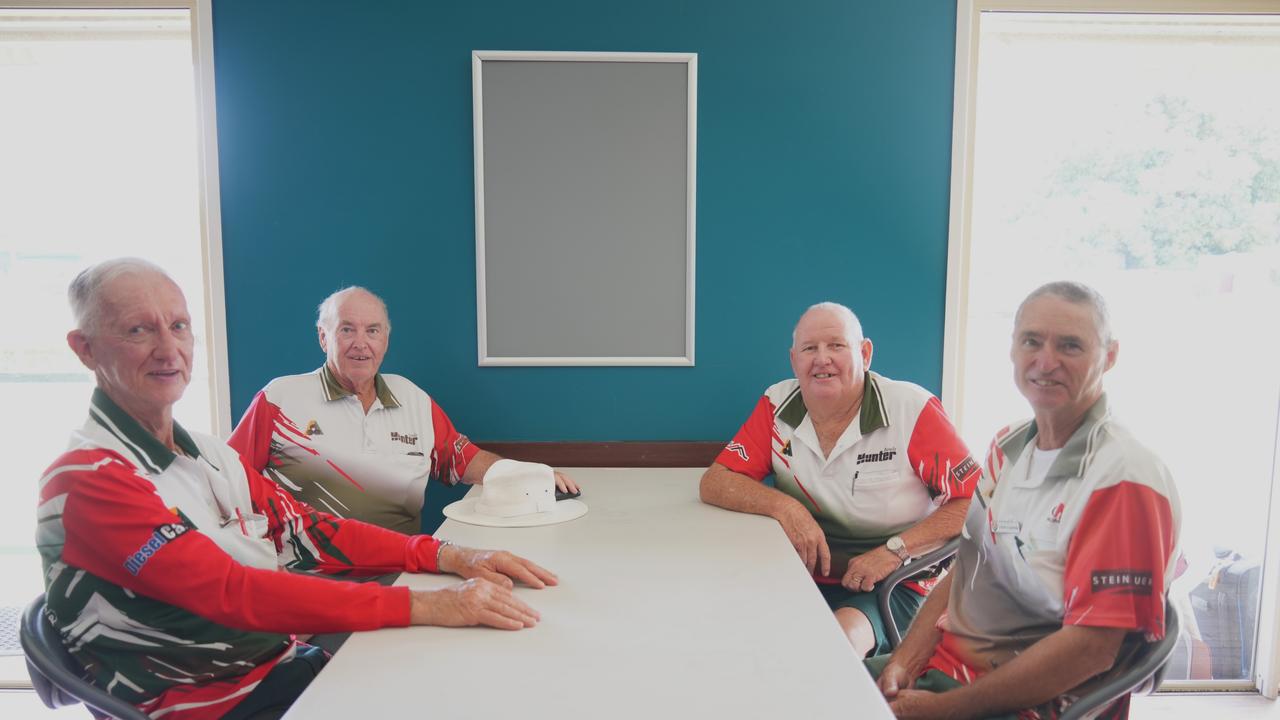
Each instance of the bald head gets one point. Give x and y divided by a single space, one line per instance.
88 294
853 328
327 312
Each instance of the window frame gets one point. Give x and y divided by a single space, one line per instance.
215 331
1266 679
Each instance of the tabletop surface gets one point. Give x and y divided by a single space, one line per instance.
666 607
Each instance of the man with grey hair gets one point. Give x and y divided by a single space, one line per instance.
869 472
352 440
177 575
1068 549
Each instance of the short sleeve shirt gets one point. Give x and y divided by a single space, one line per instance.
898 460
1091 543
313 436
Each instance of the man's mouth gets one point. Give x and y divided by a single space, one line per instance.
824 376
1043 383
359 358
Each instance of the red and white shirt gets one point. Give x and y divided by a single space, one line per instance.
313 436
897 462
1091 542
163 570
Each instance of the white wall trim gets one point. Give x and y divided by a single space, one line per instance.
690 60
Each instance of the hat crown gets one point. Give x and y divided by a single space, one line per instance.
512 488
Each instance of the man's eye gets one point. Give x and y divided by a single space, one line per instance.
181 325
137 330
374 331
837 346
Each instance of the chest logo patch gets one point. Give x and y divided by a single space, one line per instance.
1055 515
406 439
882 456
313 428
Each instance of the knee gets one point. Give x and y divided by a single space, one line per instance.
857 628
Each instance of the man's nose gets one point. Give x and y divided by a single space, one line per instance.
1046 359
167 344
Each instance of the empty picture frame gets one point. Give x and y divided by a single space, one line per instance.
585 179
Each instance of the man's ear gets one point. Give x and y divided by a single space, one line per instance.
1113 353
324 341
80 345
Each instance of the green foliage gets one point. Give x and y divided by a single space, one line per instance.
1169 186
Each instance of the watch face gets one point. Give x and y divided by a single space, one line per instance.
895 543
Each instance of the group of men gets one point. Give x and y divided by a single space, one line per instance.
187 574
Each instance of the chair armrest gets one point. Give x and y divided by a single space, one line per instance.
911 569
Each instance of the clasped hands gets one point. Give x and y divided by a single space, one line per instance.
485 597
862 572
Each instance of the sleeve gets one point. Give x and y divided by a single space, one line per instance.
1117 558
452 452
312 540
118 528
939 457
254 435
750 451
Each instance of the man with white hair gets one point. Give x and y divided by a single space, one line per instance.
1068 549
168 561
869 472
352 440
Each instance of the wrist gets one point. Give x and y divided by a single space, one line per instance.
445 555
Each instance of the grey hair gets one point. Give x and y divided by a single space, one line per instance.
1076 293
327 311
85 291
852 327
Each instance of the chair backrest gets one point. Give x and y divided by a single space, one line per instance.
1140 675
56 676
917 566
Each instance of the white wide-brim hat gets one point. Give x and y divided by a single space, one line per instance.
516 494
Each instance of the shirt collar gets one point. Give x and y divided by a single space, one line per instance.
1078 450
333 390
872 414
150 452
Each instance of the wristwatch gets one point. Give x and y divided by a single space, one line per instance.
897 547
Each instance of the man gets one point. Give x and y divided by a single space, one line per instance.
354 441
869 472
165 556
1068 548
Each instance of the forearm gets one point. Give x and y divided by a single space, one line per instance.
478 466
918 646
725 488
1047 669
934 531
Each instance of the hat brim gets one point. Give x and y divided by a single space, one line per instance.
464 511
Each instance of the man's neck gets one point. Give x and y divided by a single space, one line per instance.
837 413
1053 431
366 391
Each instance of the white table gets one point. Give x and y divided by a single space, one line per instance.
666 608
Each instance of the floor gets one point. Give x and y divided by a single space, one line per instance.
21 705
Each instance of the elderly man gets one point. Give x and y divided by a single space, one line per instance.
1068 548
165 556
349 439
869 472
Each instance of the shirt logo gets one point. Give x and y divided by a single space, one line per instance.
406 439
882 456
1122 582
737 449
313 428
960 473
786 449
460 443
162 536
1055 515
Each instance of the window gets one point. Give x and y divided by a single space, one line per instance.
1137 152
107 143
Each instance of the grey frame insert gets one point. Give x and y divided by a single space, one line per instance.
585 198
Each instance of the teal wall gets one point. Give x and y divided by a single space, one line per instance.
824 134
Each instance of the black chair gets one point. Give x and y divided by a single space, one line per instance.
917 566
1140 675
56 676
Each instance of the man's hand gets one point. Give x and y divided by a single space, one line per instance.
471 602
894 679
805 535
565 484
921 705
497 566
869 568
